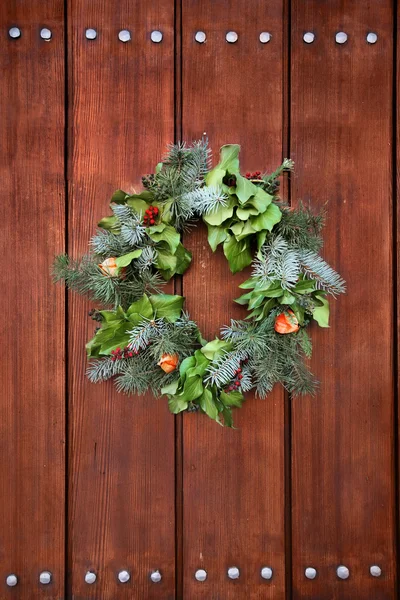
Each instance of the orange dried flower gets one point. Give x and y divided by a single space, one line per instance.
286 322
110 268
168 362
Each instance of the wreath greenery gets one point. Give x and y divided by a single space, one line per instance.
145 340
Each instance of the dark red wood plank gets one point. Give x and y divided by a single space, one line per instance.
233 480
32 424
122 448
341 140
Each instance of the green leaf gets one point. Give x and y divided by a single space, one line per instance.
267 219
192 389
119 339
183 259
171 388
144 195
261 200
109 223
167 306
166 261
227 414
244 298
261 237
305 286
186 364
221 214
232 398
243 213
200 366
109 316
245 189
168 235
249 284
286 298
126 259
216 348
139 310
229 161
216 235
237 253
156 228
118 197
246 231
176 404
207 404
321 313
93 348
137 204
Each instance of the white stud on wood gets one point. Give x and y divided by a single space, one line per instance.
341 37
11 580
91 34
200 37
124 576
231 37
90 577
265 37
156 37
124 36
201 575
309 37
375 571
14 33
372 38
266 573
310 573
156 577
342 572
233 573
45 34
45 577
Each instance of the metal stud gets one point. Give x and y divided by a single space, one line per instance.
372 38
265 37
91 34
124 576
341 37
231 37
342 572
156 36
375 571
90 577
11 580
201 575
14 33
156 577
233 573
45 34
124 36
200 37
266 573
45 577
310 573
309 37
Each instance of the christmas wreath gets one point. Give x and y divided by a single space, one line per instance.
145 340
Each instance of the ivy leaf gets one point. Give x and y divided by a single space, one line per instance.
183 259
139 310
215 348
166 261
156 228
237 253
249 284
144 195
109 223
244 212
93 348
171 388
232 398
200 366
227 414
118 197
216 235
221 214
229 161
321 313
245 189
109 316
126 259
207 404
192 389
246 230
261 200
167 306
305 286
186 364
168 235
137 204
267 219
176 404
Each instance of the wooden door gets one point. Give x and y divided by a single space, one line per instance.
96 482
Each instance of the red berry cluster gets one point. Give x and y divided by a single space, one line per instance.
236 381
255 175
118 354
150 216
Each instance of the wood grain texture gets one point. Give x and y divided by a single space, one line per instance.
341 136
121 448
32 426
233 479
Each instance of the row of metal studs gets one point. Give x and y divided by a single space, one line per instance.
156 36
90 577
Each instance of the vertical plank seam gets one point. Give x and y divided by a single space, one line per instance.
286 116
178 289
395 243
67 557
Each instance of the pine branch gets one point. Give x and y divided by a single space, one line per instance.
224 368
326 278
105 244
103 369
205 200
